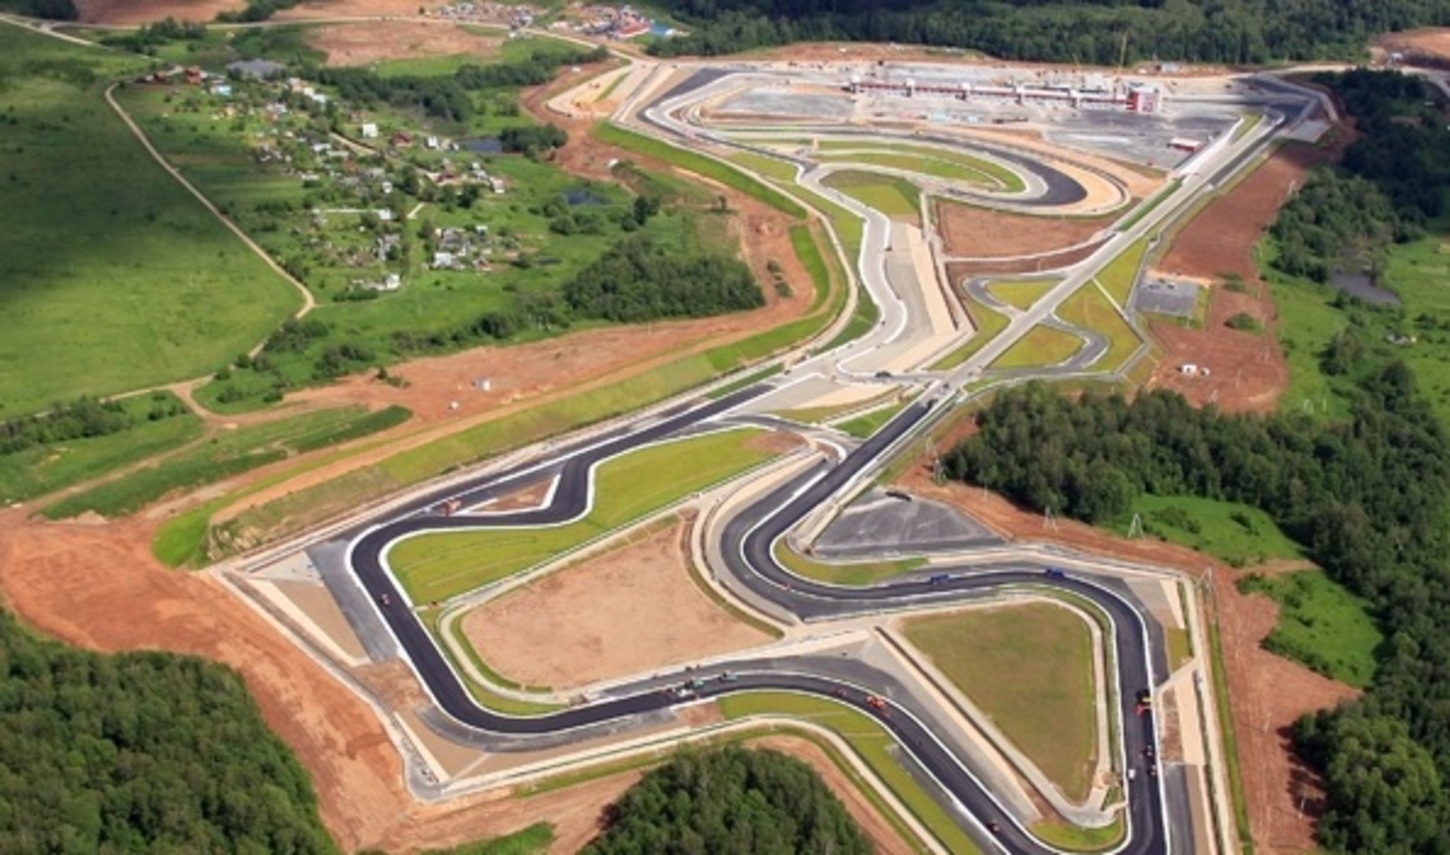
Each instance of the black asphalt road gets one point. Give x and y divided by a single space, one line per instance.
1059 188
755 530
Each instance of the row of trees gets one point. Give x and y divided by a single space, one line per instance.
449 97
1103 32
82 419
730 801
141 752
1366 496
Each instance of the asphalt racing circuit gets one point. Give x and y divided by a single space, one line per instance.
672 103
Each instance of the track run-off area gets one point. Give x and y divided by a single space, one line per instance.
796 131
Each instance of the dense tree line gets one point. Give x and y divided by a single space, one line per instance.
53 10
730 801
1366 496
448 96
82 419
1103 32
1391 182
148 38
140 752
255 11
640 280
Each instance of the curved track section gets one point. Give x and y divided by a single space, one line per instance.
755 531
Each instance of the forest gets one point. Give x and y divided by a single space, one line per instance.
1366 496
141 752
1099 32
639 280
729 801
54 10
1391 182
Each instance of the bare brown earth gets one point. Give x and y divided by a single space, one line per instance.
1267 694
583 624
973 232
98 587
367 42
1248 370
131 12
1430 46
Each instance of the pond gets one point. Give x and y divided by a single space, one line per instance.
1361 285
576 196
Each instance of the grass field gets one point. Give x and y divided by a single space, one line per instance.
1001 175
894 197
227 454
1119 276
1072 838
626 489
187 536
1310 316
1021 293
870 742
920 165
699 164
1029 668
47 468
1321 624
854 574
819 415
867 424
1040 346
989 323
1090 309
848 226
770 167
112 277
1239 534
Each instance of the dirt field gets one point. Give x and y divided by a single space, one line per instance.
1249 371
1430 47
130 12
972 232
364 43
581 625
1267 693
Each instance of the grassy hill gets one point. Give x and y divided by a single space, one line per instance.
112 277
